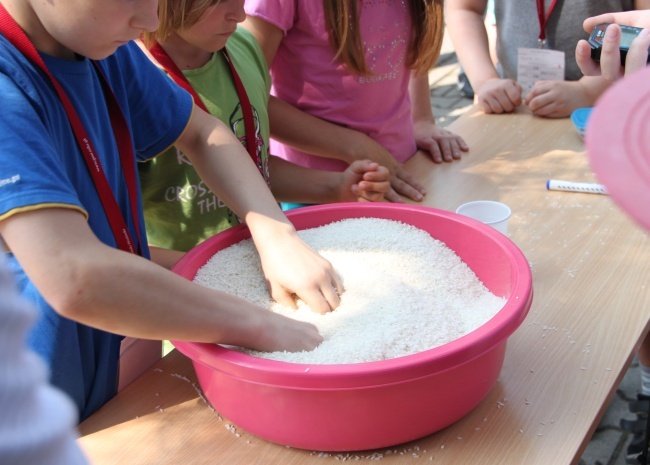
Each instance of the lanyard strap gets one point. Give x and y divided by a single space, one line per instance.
247 110
176 74
543 20
19 39
250 141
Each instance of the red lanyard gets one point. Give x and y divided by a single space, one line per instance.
543 20
19 39
177 75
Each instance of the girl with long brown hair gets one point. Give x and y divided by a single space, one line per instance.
362 64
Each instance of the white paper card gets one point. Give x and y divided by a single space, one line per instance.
538 64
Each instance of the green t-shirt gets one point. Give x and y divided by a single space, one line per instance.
179 209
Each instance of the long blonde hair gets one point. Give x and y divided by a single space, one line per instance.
176 15
342 22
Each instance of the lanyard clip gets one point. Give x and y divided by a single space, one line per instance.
541 43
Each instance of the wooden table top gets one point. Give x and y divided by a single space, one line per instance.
591 275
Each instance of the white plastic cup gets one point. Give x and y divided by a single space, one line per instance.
495 214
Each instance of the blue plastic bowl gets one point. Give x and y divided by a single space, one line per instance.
580 117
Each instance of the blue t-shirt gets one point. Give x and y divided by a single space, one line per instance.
41 166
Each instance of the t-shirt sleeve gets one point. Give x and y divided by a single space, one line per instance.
30 174
280 13
37 166
159 109
255 55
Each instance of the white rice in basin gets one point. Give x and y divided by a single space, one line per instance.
405 292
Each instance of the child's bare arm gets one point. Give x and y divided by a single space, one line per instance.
362 180
267 35
442 144
466 28
558 99
316 136
103 287
290 266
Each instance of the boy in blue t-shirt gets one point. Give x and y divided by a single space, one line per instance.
82 104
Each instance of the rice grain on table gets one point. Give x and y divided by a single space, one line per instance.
405 292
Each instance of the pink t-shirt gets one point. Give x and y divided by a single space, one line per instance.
305 74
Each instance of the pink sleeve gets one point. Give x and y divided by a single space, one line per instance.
280 13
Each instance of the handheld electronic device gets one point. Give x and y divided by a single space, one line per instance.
628 33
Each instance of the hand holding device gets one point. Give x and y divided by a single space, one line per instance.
628 34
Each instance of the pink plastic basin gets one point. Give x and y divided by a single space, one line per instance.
370 405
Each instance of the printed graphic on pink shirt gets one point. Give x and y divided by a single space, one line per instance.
385 41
